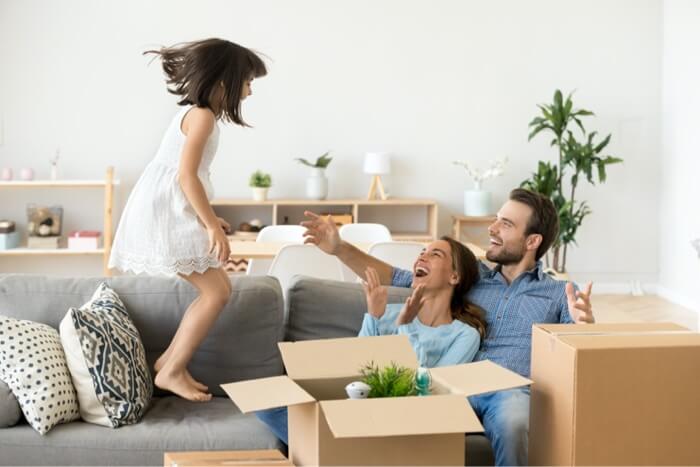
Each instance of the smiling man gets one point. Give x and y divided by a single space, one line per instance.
514 295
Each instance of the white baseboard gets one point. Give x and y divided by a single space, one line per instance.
678 299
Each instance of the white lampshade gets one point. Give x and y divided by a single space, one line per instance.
377 163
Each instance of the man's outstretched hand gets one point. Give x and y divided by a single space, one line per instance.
579 302
322 232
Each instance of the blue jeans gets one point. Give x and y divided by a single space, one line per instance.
505 416
276 421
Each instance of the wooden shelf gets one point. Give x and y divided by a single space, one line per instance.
49 251
107 185
56 184
289 211
323 202
420 237
474 218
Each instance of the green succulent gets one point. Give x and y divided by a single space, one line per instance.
260 179
390 381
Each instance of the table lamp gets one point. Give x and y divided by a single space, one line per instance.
376 164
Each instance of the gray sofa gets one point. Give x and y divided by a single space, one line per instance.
242 345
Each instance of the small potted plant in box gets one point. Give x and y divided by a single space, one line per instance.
317 183
260 182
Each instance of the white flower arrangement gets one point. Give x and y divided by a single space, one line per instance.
495 170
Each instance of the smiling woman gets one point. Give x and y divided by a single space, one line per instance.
443 328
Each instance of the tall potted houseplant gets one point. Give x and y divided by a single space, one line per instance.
577 158
316 182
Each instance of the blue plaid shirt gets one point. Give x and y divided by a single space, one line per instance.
511 310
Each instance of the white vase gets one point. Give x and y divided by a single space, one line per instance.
259 194
477 203
317 184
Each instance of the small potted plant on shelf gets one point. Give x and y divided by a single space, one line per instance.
260 182
317 183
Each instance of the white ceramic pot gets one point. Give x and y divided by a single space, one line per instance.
259 194
477 203
317 184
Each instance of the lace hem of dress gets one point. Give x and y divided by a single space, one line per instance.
186 266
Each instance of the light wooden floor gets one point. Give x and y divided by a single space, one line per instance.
627 308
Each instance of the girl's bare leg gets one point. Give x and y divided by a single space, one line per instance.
214 293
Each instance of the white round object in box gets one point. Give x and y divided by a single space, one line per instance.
357 390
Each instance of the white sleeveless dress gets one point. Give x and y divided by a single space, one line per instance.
159 232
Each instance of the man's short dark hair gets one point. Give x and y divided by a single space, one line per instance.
544 219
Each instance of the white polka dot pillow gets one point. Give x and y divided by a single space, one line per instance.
33 365
107 361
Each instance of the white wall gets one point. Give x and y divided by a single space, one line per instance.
430 81
679 275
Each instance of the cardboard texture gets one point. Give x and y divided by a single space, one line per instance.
260 458
615 394
326 428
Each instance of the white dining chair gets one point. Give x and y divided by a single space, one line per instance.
304 260
274 233
399 254
362 233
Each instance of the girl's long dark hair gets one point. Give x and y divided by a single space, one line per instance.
195 69
465 264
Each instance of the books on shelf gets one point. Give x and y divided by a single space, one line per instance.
44 243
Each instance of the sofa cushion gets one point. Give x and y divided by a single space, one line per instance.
241 345
106 360
10 411
322 309
33 365
171 424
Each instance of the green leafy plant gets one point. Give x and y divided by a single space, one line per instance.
321 163
579 158
390 381
260 179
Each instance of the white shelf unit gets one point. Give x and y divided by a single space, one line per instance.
107 185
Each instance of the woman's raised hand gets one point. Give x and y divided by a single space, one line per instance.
375 292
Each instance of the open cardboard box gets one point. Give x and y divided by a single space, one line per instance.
327 428
615 394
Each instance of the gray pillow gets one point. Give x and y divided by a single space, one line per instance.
10 412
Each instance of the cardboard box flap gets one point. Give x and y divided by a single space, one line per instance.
481 377
621 335
400 416
598 328
266 393
332 358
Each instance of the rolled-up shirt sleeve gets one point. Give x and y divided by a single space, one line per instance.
401 277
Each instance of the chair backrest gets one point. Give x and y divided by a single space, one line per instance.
274 233
306 260
399 254
362 233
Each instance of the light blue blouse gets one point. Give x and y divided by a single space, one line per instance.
447 344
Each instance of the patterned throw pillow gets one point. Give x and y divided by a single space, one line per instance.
107 361
33 365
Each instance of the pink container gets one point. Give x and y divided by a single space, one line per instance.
26 174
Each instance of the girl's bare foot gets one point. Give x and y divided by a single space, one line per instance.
178 383
160 363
